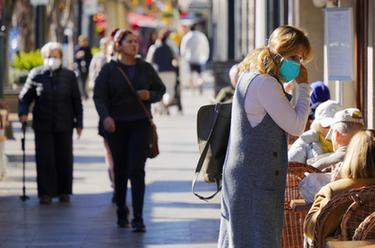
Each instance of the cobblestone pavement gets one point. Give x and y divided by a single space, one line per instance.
173 216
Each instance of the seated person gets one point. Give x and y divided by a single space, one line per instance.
313 142
226 93
358 170
345 125
319 94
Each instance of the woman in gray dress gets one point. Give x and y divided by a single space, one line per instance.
256 163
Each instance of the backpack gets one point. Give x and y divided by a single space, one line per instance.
213 127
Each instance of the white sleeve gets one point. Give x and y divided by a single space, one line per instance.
205 48
183 46
272 98
150 54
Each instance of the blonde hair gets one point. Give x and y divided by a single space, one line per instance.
360 157
283 41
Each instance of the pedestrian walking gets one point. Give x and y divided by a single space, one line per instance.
162 56
195 50
126 126
57 111
98 60
102 57
255 168
82 59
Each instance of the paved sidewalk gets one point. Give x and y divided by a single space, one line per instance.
173 216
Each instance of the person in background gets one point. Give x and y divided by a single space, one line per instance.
358 170
102 57
98 61
319 94
57 111
195 50
344 126
313 142
82 59
255 168
126 125
162 56
226 93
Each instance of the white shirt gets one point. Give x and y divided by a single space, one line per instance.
195 47
265 95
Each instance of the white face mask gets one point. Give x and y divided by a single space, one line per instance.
53 63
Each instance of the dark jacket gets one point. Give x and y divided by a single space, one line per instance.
58 105
163 57
84 62
112 95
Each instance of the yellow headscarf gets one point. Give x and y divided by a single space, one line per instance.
326 144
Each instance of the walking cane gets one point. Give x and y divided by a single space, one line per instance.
23 197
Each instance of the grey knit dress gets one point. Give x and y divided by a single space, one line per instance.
254 178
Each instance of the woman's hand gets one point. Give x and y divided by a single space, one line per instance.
109 125
302 77
79 132
23 119
144 94
289 86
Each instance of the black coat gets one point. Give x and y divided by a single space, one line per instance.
113 97
58 105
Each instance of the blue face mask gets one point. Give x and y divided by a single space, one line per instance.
289 69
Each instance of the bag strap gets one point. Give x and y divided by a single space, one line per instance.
202 158
132 90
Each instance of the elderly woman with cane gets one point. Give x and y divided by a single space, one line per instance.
57 111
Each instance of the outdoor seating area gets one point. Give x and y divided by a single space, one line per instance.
357 216
295 209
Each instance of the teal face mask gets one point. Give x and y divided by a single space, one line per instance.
289 69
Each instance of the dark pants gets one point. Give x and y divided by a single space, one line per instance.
54 162
82 84
129 146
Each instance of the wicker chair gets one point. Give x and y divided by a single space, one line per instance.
356 213
294 217
341 201
366 230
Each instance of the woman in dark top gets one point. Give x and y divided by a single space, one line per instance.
126 125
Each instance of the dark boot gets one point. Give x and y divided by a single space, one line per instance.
123 217
45 200
138 225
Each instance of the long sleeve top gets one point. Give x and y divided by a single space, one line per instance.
265 95
306 147
113 97
58 105
195 47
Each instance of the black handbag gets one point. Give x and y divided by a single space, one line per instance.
213 127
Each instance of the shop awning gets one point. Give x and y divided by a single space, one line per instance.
142 20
